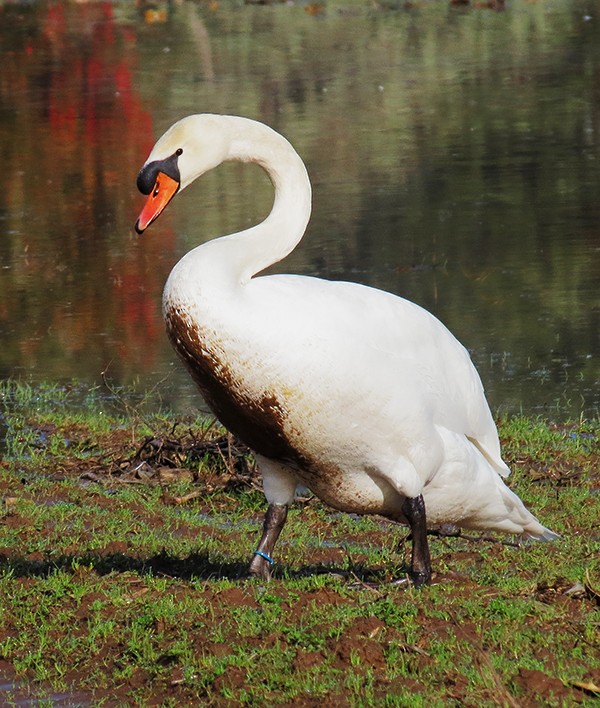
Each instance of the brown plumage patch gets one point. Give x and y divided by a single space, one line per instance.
258 422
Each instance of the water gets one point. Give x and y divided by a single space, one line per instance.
454 154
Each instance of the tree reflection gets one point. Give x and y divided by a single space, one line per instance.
453 154
76 132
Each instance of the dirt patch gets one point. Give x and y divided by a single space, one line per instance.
305 660
538 687
351 651
233 678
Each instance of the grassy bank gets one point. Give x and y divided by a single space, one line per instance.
124 539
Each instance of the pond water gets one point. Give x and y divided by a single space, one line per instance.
454 154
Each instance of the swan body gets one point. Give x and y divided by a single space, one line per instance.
360 395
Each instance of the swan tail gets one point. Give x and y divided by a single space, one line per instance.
469 492
544 536
518 518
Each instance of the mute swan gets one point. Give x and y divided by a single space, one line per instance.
361 396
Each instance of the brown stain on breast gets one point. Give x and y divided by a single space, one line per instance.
257 421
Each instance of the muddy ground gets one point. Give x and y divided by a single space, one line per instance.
351 580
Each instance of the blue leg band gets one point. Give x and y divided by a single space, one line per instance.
268 558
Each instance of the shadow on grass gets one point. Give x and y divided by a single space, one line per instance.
200 566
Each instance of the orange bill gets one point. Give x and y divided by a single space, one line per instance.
164 190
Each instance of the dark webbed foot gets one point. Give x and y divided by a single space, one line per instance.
446 531
262 562
260 566
420 579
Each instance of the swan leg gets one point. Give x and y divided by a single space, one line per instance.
279 485
413 509
273 523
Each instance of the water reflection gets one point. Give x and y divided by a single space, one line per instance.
453 152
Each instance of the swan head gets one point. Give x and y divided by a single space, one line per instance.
191 147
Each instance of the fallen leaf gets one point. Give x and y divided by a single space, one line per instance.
587 686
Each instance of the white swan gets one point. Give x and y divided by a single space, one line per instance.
362 396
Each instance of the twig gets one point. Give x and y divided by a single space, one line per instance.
182 500
366 586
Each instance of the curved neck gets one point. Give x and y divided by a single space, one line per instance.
250 251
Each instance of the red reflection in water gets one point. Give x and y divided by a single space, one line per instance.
74 140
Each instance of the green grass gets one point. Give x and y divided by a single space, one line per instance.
109 586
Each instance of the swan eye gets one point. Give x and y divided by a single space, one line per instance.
147 178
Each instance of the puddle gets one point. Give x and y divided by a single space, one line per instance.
15 693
